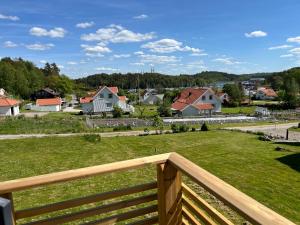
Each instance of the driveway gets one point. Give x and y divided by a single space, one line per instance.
276 130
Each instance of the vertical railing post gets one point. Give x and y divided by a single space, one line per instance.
169 194
10 219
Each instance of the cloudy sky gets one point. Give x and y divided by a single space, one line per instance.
86 37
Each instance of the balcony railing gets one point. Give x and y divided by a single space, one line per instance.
166 201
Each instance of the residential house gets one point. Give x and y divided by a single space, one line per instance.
9 106
224 97
151 97
45 93
104 100
196 101
2 92
48 105
265 93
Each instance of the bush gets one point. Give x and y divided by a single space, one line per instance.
146 131
117 112
175 128
92 138
298 125
184 128
193 129
122 128
21 117
204 127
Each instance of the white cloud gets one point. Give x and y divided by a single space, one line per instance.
139 53
287 56
121 56
85 25
10 44
158 59
294 39
95 50
168 45
39 47
56 32
137 64
199 54
227 61
60 66
109 69
140 17
255 34
295 51
117 34
280 47
196 65
43 61
72 63
5 17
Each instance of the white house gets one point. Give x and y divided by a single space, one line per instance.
9 107
224 98
266 93
104 101
2 92
196 101
47 105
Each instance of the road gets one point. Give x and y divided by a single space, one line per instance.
276 130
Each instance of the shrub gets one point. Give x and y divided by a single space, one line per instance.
204 127
184 128
92 138
117 112
298 125
122 128
146 131
175 128
193 129
21 117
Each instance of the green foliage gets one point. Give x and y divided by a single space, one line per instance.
204 127
158 123
235 92
94 138
122 128
193 129
164 109
176 128
117 112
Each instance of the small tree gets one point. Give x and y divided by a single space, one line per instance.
164 109
158 124
204 127
117 112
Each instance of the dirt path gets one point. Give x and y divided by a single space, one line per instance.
276 130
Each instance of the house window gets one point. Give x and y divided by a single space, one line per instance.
101 96
108 105
210 97
110 95
203 97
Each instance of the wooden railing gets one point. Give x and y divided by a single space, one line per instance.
166 201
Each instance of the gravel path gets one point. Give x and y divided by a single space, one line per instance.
276 130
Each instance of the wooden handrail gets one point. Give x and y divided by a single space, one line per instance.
25 183
252 210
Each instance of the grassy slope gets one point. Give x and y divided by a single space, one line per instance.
248 164
239 110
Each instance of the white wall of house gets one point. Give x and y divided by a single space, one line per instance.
190 111
9 111
87 107
210 97
46 108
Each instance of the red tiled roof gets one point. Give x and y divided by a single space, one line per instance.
122 98
48 101
4 102
187 97
204 106
268 92
86 99
114 90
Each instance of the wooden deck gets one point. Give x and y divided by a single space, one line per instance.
166 201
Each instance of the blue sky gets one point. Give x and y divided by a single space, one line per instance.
86 37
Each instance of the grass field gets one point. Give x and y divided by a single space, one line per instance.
239 110
252 166
147 110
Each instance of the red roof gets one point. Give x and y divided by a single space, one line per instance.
48 101
122 98
203 106
86 100
114 90
268 92
4 102
187 97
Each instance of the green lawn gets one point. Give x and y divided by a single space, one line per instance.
253 166
147 110
264 102
239 110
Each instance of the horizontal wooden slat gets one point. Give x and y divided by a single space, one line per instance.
205 206
95 211
25 183
252 210
147 221
198 212
84 200
189 217
124 216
